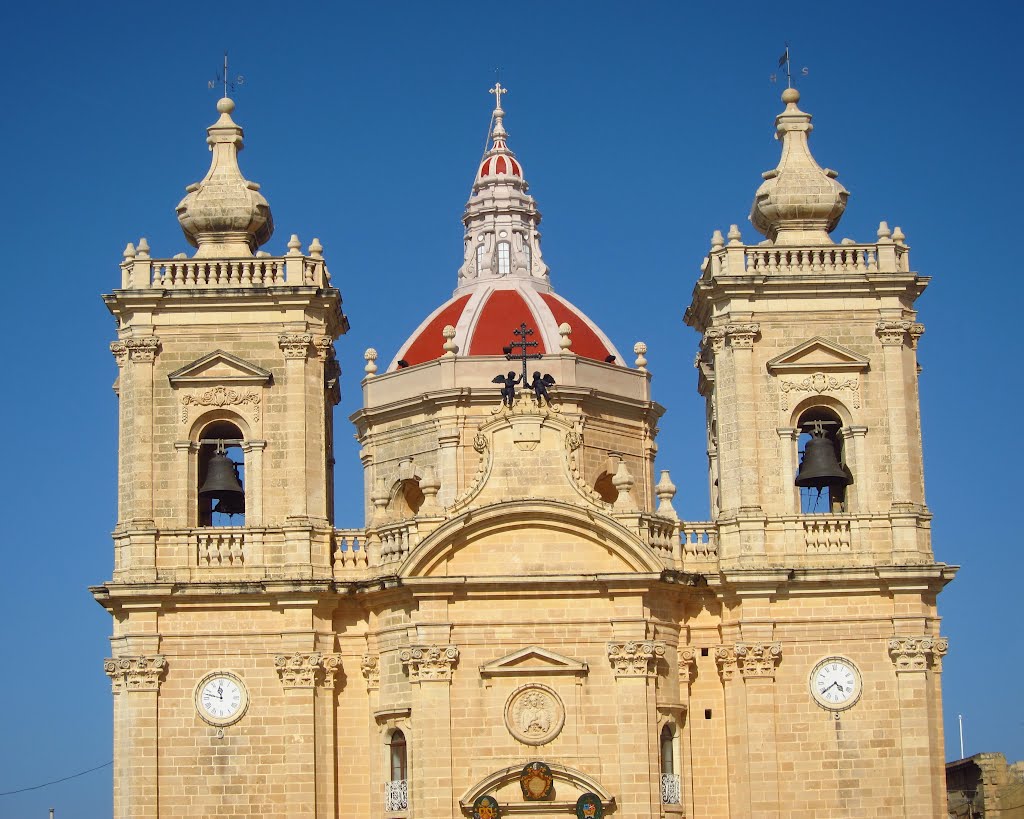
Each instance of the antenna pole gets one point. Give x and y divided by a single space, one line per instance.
226 73
789 74
960 718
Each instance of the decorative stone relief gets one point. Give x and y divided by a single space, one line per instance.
324 347
821 383
687 658
742 336
635 658
306 670
221 397
142 349
429 662
917 653
370 666
534 714
894 332
758 659
714 340
139 673
120 352
725 657
295 345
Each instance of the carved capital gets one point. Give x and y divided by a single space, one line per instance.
916 331
758 659
426 663
142 349
139 673
725 657
714 339
742 336
893 332
307 670
120 352
687 657
917 653
370 666
295 345
324 347
635 658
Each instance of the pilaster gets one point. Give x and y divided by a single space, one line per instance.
295 347
135 682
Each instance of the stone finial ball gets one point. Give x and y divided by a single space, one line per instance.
370 354
448 331
639 348
564 328
225 105
790 95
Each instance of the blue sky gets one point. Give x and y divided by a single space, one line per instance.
642 127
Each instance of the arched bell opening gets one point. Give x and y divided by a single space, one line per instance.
605 488
822 475
221 487
407 498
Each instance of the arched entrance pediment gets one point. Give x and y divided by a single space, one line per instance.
504 538
503 785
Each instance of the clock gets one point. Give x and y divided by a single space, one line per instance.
835 683
221 698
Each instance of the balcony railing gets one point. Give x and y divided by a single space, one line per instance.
294 269
671 789
396 795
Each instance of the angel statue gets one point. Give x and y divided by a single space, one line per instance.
508 391
540 385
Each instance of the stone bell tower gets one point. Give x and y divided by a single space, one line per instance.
228 352
806 339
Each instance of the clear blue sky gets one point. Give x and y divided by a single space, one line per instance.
642 127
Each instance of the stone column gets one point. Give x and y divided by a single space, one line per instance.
137 481
788 438
254 482
912 657
308 682
431 790
634 663
687 659
135 682
863 480
372 765
893 334
295 347
736 738
756 664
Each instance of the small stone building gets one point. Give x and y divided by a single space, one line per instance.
522 625
984 786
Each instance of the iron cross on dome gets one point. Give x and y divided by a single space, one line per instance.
522 332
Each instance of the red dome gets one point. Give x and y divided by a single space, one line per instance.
485 319
500 164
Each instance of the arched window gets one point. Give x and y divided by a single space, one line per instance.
396 789
479 260
670 784
221 488
504 258
822 475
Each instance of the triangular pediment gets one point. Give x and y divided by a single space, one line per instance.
818 355
219 367
533 660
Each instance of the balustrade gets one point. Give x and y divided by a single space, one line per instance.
220 547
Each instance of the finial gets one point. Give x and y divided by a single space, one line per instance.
799 202
142 249
129 251
884 234
734 234
450 347
898 237
371 362
665 491
294 245
717 242
316 250
565 331
641 351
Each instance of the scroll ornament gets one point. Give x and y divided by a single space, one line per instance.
221 397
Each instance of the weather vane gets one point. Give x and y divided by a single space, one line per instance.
784 60
224 79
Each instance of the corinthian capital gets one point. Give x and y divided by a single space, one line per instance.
687 658
742 336
142 348
370 666
758 659
635 658
120 352
138 673
307 670
917 653
295 345
893 333
427 663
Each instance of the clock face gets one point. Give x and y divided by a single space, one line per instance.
221 698
835 683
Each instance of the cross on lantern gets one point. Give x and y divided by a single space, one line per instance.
498 91
523 332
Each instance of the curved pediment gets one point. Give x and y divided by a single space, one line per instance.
528 537
503 785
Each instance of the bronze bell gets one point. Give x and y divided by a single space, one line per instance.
223 486
819 466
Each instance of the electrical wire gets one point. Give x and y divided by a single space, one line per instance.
55 781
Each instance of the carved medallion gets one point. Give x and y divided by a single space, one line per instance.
536 781
486 807
534 714
589 806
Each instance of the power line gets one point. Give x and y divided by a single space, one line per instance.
55 781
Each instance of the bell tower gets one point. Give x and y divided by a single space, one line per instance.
227 384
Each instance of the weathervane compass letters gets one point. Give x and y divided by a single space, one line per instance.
222 78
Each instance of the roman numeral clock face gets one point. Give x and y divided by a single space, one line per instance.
221 698
835 683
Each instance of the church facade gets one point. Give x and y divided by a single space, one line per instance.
781 658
